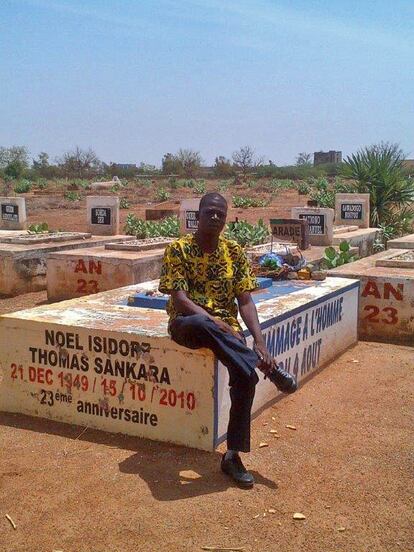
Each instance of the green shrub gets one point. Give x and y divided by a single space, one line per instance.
200 187
224 186
41 183
40 228
303 188
115 188
169 227
323 198
123 203
162 194
185 183
333 258
145 182
247 234
281 184
246 202
173 183
379 171
23 186
72 196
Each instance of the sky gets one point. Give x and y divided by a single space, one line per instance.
134 80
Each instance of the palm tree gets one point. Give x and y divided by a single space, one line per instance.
378 170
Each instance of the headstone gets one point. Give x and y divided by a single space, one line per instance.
13 213
189 215
103 215
352 209
320 221
291 230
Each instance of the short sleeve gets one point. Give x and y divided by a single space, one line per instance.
173 273
244 279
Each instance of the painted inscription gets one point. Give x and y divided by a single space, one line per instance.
316 224
351 211
86 374
10 212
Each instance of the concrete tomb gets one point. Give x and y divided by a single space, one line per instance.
352 209
97 362
386 305
103 215
320 222
405 242
13 213
23 258
80 272
291 230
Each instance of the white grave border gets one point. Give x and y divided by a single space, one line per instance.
221 390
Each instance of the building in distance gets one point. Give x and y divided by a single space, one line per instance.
324 157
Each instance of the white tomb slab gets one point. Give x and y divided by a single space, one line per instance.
97 362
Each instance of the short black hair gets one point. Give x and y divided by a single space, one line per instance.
209 197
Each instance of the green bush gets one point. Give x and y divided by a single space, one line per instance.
281 184
247 234
72 196
185 183
323 198
23 186
224 186
333 258
379 171
162 194
169 227
200 187
123 203
246 202
41 183
173 183
40 228
303 188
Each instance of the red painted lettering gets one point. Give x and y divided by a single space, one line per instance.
371 289
391 290
95 267
80 267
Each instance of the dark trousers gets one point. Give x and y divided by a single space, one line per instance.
196 331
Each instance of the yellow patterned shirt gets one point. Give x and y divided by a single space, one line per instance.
211 280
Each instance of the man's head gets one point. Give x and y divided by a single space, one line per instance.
212 213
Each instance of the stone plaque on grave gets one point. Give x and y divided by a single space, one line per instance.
320 221
291 230
189 215
103 215
12 213
352 209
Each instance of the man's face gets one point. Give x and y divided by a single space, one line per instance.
212 217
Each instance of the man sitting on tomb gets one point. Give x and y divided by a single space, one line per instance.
205 274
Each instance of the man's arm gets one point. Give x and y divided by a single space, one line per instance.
184 305
248 313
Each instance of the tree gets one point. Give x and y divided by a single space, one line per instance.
80 163
223 167
245 160
379 171
13 154
185 162
304 159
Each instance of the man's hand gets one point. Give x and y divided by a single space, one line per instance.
266 360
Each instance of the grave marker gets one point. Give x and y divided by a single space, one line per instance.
189 215
103 215
291 230
12 213
352 209
320 222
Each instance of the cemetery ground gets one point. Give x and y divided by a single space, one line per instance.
345 467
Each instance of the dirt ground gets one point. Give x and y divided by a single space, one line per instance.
346 467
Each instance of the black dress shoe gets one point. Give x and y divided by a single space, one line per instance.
284 381
233 467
